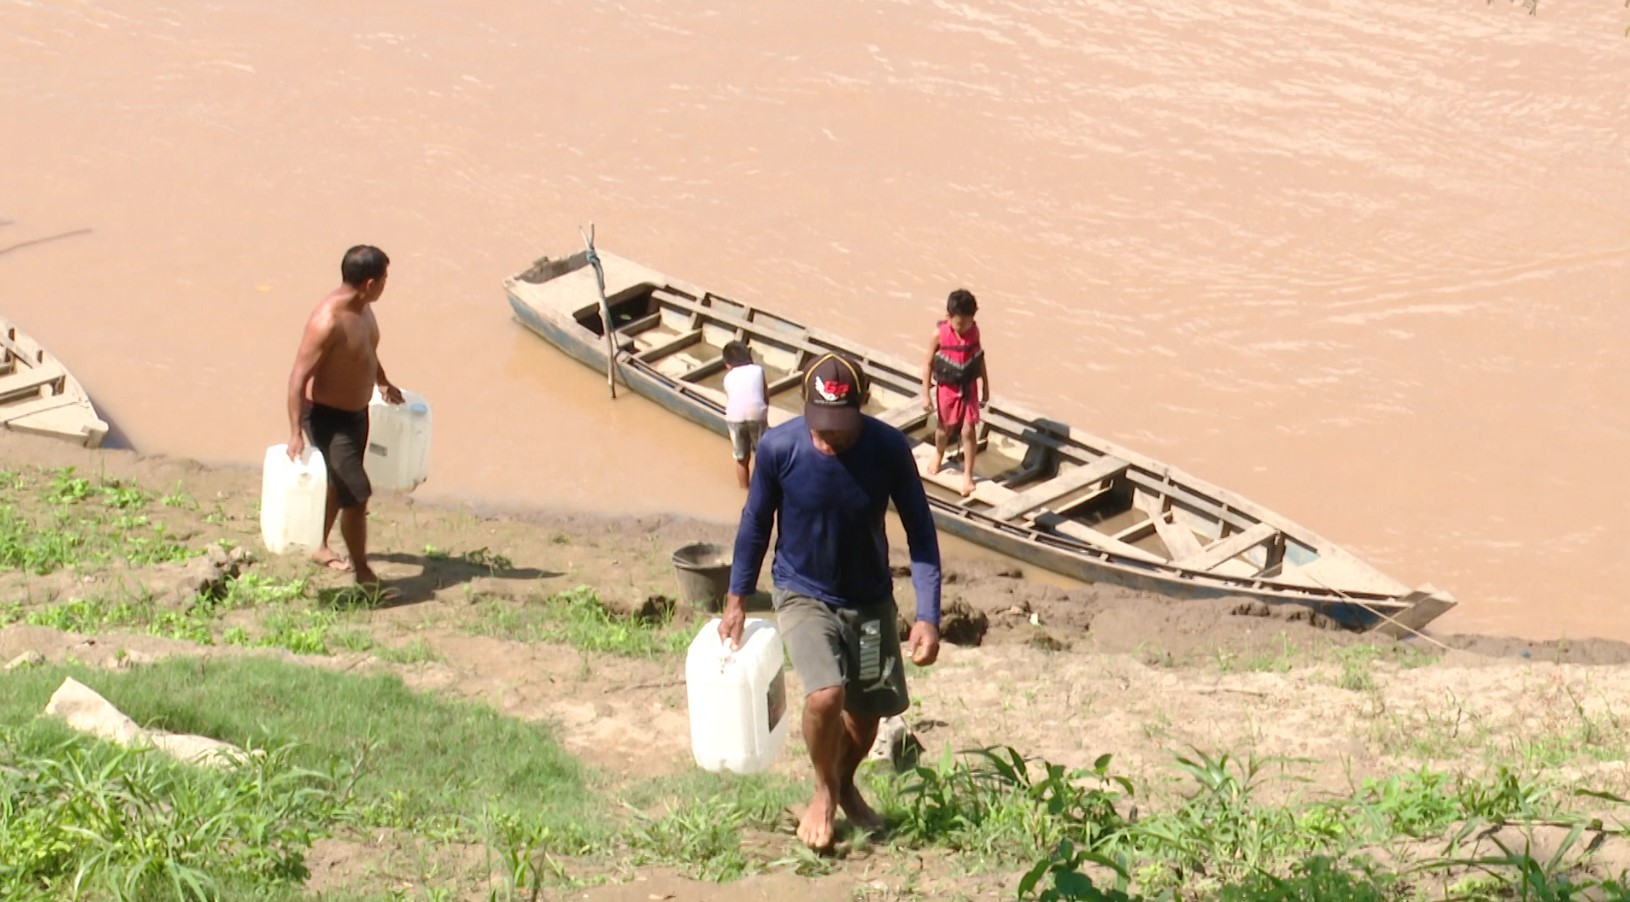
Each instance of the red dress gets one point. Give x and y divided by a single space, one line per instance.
957 367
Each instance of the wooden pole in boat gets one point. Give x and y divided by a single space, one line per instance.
606 325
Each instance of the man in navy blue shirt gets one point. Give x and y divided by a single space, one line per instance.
824 482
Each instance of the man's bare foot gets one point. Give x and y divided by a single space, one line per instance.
816 828
325 557
967 487
860 814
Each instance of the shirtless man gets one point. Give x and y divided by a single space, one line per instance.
334 375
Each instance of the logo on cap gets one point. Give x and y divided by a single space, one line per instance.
831 390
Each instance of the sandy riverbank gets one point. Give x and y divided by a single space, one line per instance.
1066 675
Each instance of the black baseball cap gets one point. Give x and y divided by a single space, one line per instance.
834 389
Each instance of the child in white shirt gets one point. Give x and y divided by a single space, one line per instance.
747 406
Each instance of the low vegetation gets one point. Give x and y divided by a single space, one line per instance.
578 618
474 804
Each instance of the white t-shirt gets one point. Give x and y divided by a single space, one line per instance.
744 391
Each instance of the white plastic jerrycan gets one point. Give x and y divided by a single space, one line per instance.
398 457
738 700
292 496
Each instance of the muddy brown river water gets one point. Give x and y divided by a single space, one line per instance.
1363 262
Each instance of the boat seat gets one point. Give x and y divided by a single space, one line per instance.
1106 467
1228 548
28 381
1178 539
903 417
990 493
9 342
673 345
1082 532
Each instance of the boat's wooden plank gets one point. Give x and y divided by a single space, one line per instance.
28 382
1340 571
704 370
10 343
903 417
1228 548
632 337
678 342
988 493
1179 539
1103 468
1067 527
1080 501
1190 498
983 489
26 409
71 421
635 327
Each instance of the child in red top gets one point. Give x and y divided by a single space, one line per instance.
956 382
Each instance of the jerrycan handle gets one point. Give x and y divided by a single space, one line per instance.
722 653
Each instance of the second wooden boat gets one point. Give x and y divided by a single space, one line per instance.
38 395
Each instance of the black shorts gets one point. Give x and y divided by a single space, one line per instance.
342 436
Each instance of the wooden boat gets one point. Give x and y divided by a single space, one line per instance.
39 395
1045 493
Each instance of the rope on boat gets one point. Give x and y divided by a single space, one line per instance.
1382 614
606 325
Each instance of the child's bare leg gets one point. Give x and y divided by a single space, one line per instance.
970 449
743 470
942 437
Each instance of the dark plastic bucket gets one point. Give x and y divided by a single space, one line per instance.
703 569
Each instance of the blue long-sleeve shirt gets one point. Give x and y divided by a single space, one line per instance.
828 514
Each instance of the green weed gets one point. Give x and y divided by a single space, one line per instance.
65 487
997 804
416 652
82 818
577 618
304 632
433 766
141 614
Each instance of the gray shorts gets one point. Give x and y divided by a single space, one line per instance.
744 436
856 648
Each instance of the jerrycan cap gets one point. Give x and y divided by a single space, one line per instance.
418 408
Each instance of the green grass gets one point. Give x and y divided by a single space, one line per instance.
416 652
997 808
577 618
54 519
285 624
80 818
443 771
427 761
299 630
137 614
304 632
1222 839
